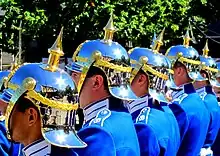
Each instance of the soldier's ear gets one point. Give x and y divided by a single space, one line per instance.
32 116
98 82
180 71
142 79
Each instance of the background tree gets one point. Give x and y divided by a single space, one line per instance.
135 20
33 19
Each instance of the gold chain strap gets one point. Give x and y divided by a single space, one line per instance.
154 72
113 66
51 103
210 69
106 64
11 74
183 59
77 51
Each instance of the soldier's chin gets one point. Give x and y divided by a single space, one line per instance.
3 106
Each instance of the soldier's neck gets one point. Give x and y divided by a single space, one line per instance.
33 135
141 91
199 84
183 81
95 97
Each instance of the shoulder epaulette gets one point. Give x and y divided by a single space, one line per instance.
143 116
180 98
101 117
203 95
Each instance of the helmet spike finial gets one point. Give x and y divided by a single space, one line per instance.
206 49
56 51
158 42
109 30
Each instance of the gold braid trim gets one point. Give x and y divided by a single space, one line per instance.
183 59
51 103
210 69
81 59
134 62
130 51
12 86
107 64
11 74
77 51
154 72
170 71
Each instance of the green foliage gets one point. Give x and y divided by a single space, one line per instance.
135 20
32 21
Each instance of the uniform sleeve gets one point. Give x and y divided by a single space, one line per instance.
99 142
4 143
147 140
181 118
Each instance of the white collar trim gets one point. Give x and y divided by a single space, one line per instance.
37 148
138 104
92 110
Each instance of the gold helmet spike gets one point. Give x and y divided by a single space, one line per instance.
206 49
186 38
158 42
109 30
56 51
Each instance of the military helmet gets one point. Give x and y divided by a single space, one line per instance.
188 56
209 65
218 67
111 58
53 92
3 76
7 93
154 64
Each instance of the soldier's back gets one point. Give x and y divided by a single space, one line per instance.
211 103
193 119
155 129
110 133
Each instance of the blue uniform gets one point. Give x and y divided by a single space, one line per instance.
43 148
215 147
193 119
156 126
108 130
211 103
8 148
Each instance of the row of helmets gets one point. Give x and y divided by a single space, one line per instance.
121 67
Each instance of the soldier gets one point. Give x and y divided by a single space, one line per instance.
187 106
40 92
215 147
74 70
108 128
204 88
156 125
8 148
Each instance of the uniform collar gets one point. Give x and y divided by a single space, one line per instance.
186 88
206 89
91 110
37 148
138 104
